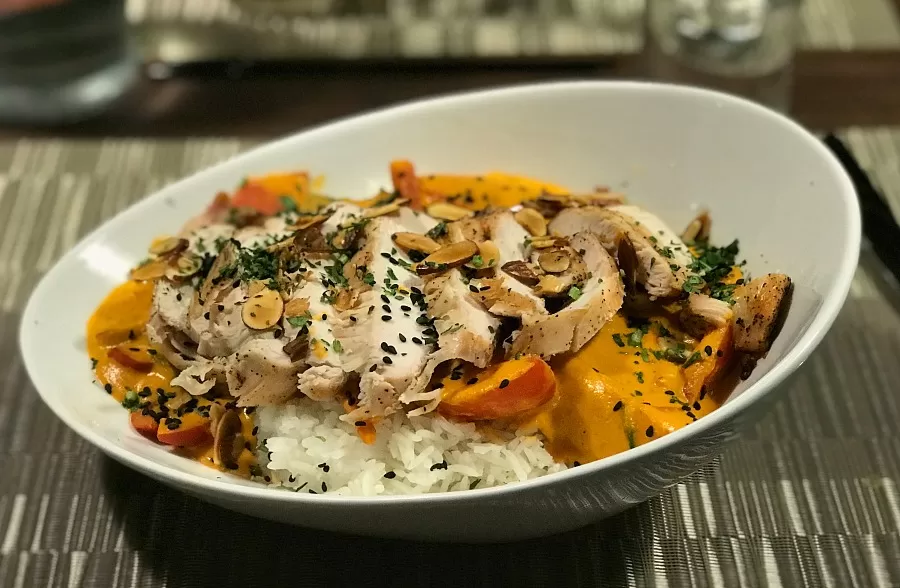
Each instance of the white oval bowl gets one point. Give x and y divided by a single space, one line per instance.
671 149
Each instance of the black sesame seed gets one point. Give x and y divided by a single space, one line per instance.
670 393
324 316
385 299
373 367
324 487
708 350
416 340
108 388
221 307
472 381
719 353
352 319
388 348
360 423
386 308
206 315
691 415
649 431
696 406
385 317
504 383
254 431
178 297
387 360
618 406
402 338
473 288
390 475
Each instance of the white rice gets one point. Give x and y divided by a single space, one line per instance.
307 448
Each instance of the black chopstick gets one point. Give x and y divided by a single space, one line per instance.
879 224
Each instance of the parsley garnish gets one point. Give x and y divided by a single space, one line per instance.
477 261
369 279
131 401
288 204
694 358
574 292
636 337
437 230
618 340
337 346
639 376
712 265
301 322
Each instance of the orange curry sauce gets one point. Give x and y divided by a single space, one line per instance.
613 394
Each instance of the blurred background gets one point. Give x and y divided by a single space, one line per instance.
181 67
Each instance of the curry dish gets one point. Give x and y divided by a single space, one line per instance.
448 333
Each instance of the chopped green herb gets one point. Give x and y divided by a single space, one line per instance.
694 358
477 261
391 275
645 355
300 322
131 401
369 279
639 376
437 230
694 283
618 340
337 346
574 292
288 204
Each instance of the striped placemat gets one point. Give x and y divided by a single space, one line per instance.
809 497
186 30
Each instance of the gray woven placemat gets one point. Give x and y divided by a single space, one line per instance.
208 29
809 497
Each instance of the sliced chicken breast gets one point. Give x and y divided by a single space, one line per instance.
759 309
572 327
701 314
659 270
261 374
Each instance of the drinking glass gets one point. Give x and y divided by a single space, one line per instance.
62 60
744 47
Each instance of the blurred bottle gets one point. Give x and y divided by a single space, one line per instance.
744 47
62 60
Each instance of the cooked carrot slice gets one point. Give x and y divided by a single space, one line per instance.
136 357
254 196
190 433
505 390
144 424
714 353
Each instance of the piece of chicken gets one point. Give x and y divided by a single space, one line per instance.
504 295
573 326
662 269
261 374
702 314
759 309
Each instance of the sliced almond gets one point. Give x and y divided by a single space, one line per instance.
228 442
555 261
385 209
533 221
698 229
448 212
262 310
488 256
305 222
551 285
546 242
599 198
150 271
447 257
296 307
168 245
345 300
255 287
415 242
521 271
184 267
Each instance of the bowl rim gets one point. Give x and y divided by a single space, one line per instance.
809 339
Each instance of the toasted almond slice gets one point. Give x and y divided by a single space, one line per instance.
255 287
415 242
150 270
298 348
447 257
488 256
555 261
168 245
551 285
533 222
296 307
228 442
263 310
345 299
305 222
521 271
184 267
384 209
698 229
448 212
545 242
